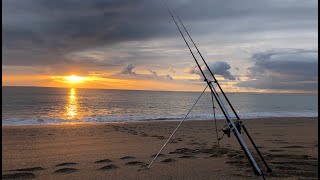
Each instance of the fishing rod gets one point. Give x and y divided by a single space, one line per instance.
195 59
214 78
235 129
239 123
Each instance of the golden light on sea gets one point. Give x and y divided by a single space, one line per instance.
72 106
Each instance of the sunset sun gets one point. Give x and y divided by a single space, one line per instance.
74 79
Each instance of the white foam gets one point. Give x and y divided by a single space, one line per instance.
128 118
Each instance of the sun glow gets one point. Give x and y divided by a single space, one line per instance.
74 79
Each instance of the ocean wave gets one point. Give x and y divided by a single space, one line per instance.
126 118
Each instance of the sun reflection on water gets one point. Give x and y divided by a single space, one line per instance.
72 106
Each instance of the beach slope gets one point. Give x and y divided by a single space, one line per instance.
123 150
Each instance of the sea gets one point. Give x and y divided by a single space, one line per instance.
42 105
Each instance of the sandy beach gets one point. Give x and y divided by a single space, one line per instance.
123 150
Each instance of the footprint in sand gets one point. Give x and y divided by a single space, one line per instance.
193 143
144 135
133 132
236 162
288 168
29 169
103 161
183 151
18 176
66 164
127 157
158 155
186 157
66 170
279 142
131 163
239 157
143 167
161 137
168 160
109 167
290 147
232 154
276 150
215 155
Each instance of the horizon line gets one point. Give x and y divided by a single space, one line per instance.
249 92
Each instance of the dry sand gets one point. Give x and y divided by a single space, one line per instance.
122 150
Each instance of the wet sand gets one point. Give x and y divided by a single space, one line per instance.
123 150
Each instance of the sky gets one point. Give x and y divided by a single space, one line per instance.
251 46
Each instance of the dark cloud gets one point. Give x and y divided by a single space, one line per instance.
44 32
128 70
217 68
284 69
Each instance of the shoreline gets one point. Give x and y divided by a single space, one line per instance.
165 120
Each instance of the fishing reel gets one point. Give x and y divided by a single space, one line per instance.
227 128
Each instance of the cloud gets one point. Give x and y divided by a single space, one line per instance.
284 69
42 32
168 77
172 70
128 73
103 36
128 70
156 76
217 68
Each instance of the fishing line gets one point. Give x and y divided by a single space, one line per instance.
177 128
215 121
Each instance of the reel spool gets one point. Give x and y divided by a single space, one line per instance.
227 128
